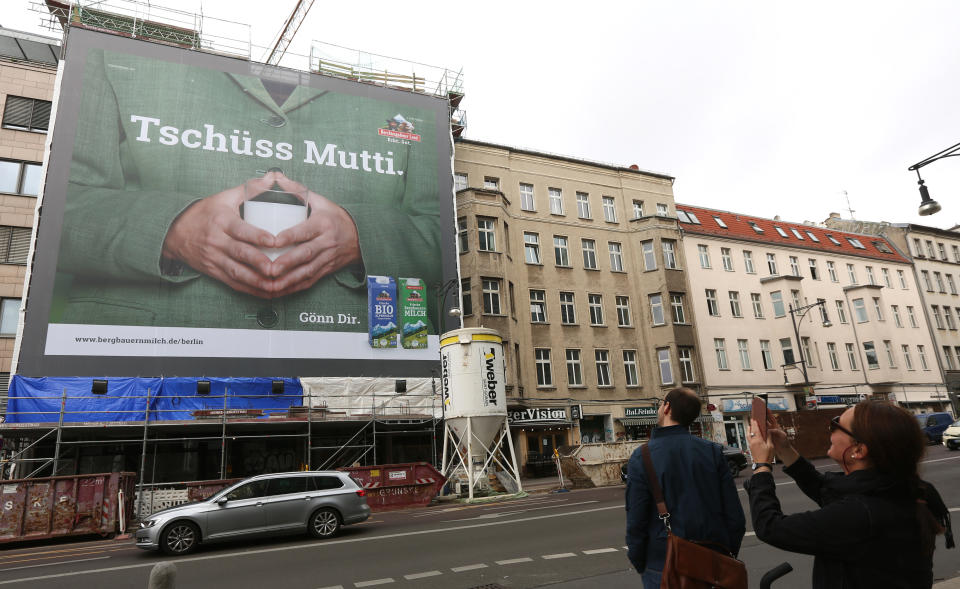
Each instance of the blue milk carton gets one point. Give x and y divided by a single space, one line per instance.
382 311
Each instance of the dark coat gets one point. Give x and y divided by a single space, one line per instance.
865 535
697 488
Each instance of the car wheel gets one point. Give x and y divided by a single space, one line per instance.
179 538
324 523
734 468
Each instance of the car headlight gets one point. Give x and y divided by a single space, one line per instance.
148 524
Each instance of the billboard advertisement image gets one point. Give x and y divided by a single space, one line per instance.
207 215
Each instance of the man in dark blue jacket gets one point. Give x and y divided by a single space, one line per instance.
697 488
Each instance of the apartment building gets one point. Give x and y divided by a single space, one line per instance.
757 286
936 259
579 266
28 68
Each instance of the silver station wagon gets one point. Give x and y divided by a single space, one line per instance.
316 502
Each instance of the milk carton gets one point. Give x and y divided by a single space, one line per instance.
382 311
413 313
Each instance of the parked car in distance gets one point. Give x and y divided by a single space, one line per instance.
951 436
315 502
736 461
933 425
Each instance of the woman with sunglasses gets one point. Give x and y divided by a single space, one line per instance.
877 522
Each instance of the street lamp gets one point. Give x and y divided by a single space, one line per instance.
928 206
797 315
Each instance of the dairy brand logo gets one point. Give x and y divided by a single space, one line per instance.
398 129
491 377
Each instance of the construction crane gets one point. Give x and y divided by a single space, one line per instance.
289 31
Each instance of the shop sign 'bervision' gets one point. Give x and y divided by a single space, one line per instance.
538 414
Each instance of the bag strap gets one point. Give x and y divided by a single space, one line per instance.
655 487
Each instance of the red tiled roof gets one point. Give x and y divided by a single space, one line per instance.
741 227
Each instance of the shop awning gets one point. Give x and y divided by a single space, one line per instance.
638 420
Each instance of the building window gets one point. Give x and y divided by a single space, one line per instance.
776 298
574 370
486 234
936 316
720 348
719 222
851 356
860 311
14 244
21 178
926 280
649 258
917 248
630 373
666 369
595 304
616 256
794 266
856 243
490 183
939 279
807 354
662 210
466 297
956 253
832 353
735 303
911 317
686 364
531 248
948 317
713 308
538 306
814 272
765 354
526 197
556 201
623 311
780 231
922 354
491 296
669 253
870 278
772 265
704 252
891 361
930 250
656 309
9 315
903 279
852 274
748 262
676 301
26 114
637 209
544 371
756 227
956 351
568 315
583 205
603 368
895 310
561 251
951 284
877 309
743 350
589 248
726 259
907 361
841 312
885 272
609 210
787 347
757 305
463 245
832 272
870 352
459 182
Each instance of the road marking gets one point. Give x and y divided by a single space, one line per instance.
333 587
422 575
600 551
373 582
469 567
52 557
514 560
954 509
66 551
47 564
750 534
504 513
560 555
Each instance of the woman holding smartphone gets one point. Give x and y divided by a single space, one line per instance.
877 522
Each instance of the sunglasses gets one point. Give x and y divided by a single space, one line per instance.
835 425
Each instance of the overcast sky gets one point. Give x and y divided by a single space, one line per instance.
760 107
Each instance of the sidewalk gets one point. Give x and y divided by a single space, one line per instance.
953 583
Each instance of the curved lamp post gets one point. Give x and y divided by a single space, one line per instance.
928 206
797 315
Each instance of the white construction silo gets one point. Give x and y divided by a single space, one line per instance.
474 405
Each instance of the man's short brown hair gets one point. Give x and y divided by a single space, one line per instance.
684 405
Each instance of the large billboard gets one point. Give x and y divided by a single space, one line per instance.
204 215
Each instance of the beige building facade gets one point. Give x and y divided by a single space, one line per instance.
28 69
579 266
756 284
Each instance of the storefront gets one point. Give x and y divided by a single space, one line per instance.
638 422
537 432
736 416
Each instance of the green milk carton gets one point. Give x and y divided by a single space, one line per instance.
413 313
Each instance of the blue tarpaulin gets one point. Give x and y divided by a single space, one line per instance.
37 400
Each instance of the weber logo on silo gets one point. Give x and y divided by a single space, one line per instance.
490 378
445 379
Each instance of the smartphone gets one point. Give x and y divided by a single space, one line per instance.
759 414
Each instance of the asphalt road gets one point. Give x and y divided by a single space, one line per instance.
558 540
